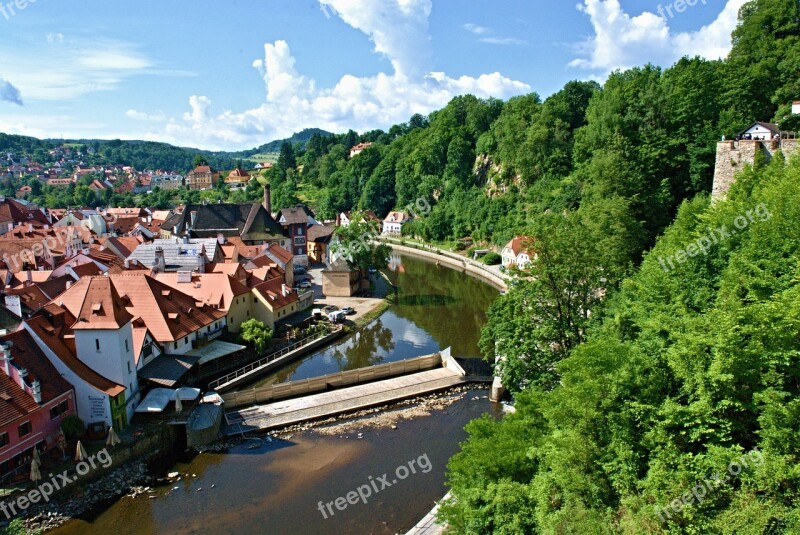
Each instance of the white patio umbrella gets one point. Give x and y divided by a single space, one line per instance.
36 474
112 439
80 452
178 404
36 455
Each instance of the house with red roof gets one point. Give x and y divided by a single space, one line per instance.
34 400
517 252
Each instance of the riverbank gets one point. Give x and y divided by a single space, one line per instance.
451 260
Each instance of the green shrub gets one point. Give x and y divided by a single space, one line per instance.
492 259
73 427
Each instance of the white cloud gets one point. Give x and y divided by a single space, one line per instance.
9 93
503 41
399 31
64 69
477 30
144 116
622 41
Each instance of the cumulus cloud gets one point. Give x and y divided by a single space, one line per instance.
9 93
622 41
399 31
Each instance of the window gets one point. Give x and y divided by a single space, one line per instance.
175 345
127 347
97 344
3 440
25 429
59 409
129 366
186 340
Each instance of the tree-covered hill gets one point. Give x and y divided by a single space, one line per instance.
652 347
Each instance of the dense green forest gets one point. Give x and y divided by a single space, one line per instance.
652 347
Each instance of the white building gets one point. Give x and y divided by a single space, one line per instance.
393 223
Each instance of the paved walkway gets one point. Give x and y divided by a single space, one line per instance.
326 404
428 525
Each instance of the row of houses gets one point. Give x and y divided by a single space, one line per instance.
99 306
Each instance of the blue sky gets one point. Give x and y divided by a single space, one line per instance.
235 74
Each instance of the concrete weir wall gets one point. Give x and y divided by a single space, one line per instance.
460 264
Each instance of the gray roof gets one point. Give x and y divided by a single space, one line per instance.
178 256
250 221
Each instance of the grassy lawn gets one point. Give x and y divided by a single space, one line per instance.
264 157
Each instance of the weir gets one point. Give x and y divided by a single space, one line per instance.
442 372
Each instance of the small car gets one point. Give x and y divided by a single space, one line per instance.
349 311
304 285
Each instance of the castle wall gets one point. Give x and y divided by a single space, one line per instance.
733 156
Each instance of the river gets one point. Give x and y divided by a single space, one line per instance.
276 487
436 308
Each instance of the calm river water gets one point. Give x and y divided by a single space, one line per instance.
276 487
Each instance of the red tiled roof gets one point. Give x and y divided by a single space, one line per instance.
272 291
28 355
279 252
14 402
96 304
51 325
168 313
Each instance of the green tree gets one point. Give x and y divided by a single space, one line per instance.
199 160
255 333
357 244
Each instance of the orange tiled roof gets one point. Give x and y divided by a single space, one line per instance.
96 304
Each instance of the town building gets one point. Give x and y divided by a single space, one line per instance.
295 222
517 253
238 178
394 221
202 177
34 400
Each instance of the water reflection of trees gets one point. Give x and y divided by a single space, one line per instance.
446 303
367 348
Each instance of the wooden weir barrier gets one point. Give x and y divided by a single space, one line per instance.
323 383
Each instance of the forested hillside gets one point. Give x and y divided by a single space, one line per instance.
656 387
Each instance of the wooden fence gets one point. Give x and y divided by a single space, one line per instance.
268 393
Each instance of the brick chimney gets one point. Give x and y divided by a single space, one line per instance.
267 199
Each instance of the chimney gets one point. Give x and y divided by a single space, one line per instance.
220 239
10 227
267 199
201 262
127 263
69 285
30 228
284 290
36 388
7 358
30 277
160 264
